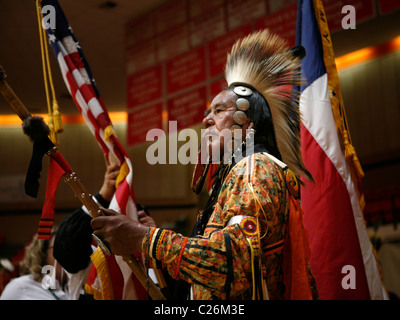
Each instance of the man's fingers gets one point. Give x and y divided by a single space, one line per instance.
113 174
114 167
106 160
141 214
98 222
109 212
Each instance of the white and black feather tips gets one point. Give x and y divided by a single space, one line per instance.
264 61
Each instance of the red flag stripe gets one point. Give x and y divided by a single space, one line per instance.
333 235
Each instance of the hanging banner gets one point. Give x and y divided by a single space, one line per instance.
197 8
141 120
188 108
183 44
140 30
243 12
170 15
186 70
282 22
207 27
219 48
173 43
144 87
217 86
140 57
388 6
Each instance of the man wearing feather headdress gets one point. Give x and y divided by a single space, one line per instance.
249 241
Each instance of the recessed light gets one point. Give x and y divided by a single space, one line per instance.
108 5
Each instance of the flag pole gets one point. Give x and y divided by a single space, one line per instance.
74 182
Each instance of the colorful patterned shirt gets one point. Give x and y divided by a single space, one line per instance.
218 262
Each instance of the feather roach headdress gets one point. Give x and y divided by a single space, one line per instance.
263 62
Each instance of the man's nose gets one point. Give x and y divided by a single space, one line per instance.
208 120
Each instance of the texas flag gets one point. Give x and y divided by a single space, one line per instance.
342 258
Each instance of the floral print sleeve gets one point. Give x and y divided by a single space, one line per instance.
218 262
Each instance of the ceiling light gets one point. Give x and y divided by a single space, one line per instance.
108 5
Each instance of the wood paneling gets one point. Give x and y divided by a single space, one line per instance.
372 101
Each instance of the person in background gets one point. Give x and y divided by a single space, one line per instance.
42 278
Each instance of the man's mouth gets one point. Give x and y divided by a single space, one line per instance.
210 134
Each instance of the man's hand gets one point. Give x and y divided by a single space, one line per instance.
145 219
108 188
120 233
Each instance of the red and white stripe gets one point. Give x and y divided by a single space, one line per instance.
96 117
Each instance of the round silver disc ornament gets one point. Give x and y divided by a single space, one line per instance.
242 104
236 127
240 117
243 91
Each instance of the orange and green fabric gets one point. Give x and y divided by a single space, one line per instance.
218 263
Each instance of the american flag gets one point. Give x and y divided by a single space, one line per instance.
79 80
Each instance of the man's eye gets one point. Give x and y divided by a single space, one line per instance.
218 110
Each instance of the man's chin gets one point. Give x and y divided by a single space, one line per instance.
213 153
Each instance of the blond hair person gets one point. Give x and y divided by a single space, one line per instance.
41 277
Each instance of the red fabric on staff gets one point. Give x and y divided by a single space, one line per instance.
47 219
58 157
296 256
